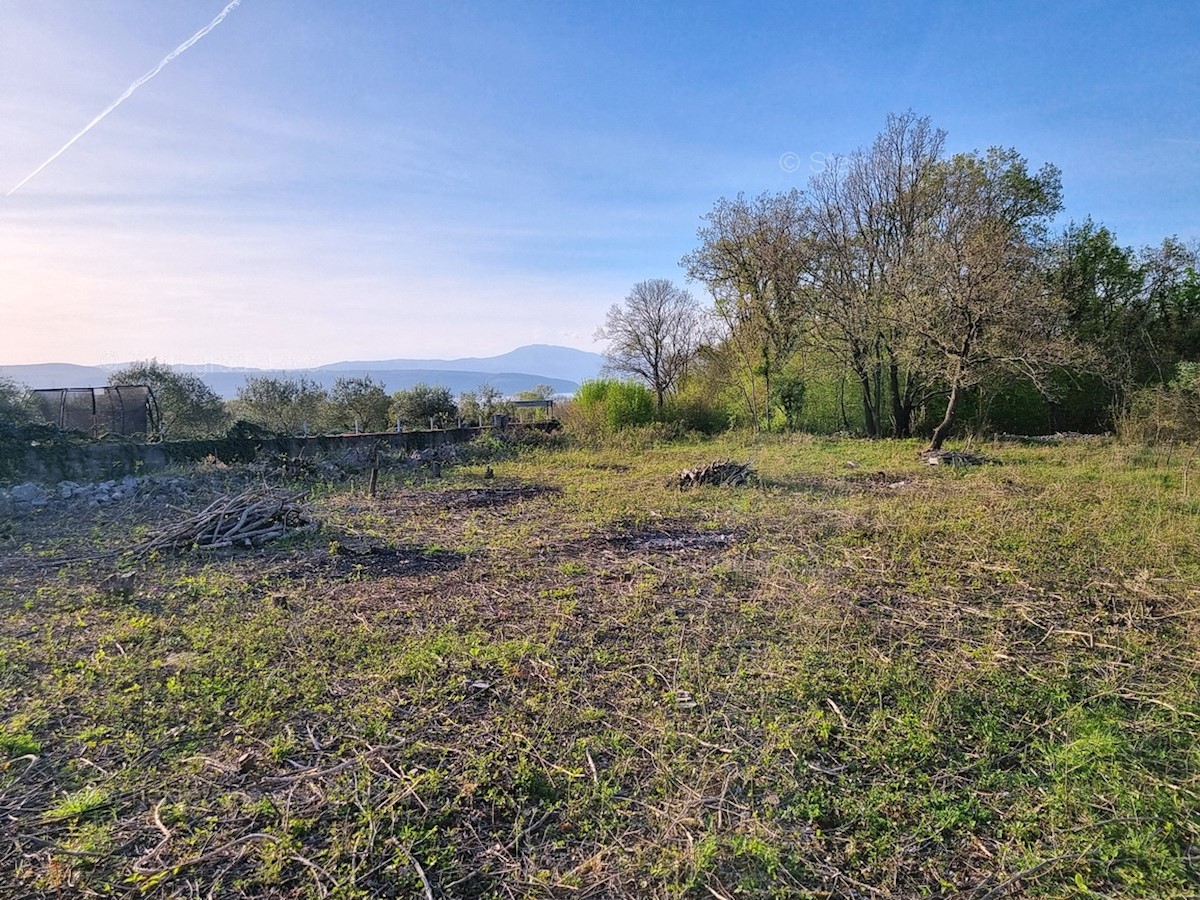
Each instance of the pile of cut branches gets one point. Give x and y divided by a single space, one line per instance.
249 520
955 458
722 472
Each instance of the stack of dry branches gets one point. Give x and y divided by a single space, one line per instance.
722 472
954 458
250 520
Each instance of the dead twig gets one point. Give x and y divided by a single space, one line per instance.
249 519
722 473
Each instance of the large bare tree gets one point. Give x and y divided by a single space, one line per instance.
653 336
868 211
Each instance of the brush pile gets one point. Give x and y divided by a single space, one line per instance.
955 458
722 472
248 520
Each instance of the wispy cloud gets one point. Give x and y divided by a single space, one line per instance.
174 54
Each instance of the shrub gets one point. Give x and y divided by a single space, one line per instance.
615 404
1166 413
788 393
16 403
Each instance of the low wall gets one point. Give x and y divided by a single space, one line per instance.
54 462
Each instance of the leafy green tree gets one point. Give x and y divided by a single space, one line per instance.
187 407
16 403
421 403
482 403
1172 296
752 258
283 405
359 404
979 306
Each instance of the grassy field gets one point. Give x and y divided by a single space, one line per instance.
865 677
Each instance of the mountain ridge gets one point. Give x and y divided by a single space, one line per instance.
563 368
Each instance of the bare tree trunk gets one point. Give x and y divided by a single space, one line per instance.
767 389
901 407
870 413
842 402
943 430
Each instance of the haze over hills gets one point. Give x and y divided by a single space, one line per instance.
563 368
565 363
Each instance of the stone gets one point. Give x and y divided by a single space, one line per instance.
29 492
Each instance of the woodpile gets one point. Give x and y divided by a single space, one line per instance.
248 520
955 458
722 472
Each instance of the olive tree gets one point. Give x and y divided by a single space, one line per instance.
360 404
481 404
284 405
422 403
653 336
187 407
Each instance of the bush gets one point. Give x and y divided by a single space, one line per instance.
1167 413
614 405
694 407
16 403
788 393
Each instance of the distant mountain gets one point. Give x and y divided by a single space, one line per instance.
563 368
55 375
565 363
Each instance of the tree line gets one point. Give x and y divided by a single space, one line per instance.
912 285
189 408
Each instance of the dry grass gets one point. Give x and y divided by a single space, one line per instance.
877 680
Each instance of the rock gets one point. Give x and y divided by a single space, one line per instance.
30 493
119 584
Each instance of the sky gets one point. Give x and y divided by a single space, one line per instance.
312 181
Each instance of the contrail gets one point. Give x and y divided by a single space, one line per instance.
133 87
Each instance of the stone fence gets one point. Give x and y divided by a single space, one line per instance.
54 461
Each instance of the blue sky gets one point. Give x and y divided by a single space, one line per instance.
315 181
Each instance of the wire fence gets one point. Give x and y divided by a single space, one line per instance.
124 409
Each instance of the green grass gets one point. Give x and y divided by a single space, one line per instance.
885 679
